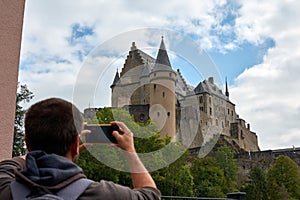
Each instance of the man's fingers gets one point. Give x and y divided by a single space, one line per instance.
84 146
85 132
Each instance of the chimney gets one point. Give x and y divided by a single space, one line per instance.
211 80
133 47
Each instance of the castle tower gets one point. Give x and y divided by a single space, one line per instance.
162 94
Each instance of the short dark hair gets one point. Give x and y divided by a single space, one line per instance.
52 125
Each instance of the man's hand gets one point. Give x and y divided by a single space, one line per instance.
139 174
124 137
83 133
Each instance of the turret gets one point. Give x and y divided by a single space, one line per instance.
114 98
162 56
226 90
162 94
116 80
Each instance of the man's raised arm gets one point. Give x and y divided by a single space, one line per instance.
140 175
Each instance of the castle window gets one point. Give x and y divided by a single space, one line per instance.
168 114
232 113
154 86
163 94
202 108
209 100
217 123
154 74
210 111
228 111
158 114
242 134
201 99
170 75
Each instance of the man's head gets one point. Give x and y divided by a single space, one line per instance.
52 125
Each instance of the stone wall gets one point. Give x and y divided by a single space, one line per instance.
263 159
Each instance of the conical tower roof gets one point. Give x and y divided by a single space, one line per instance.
226 90
116 80
162 61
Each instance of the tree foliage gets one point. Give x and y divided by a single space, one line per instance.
284 175
282 181
225 160
24 95
147 139
175 179
257 186
209 179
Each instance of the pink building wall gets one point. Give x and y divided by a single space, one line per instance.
11 22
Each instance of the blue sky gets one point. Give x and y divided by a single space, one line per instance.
233 63
255 47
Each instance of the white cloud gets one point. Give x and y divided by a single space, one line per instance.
267 94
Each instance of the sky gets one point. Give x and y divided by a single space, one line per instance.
255 44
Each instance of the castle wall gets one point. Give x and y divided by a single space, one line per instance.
121 94
196 119
189 131
141 96
133 60
263 160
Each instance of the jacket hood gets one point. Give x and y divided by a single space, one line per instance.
49 169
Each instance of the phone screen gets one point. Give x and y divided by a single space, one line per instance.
101 133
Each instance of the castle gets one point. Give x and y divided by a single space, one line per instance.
149 88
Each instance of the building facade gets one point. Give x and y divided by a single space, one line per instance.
149 88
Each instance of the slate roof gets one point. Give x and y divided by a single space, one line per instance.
209 87
162 60
116 79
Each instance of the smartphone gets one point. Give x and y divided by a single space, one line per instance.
101 133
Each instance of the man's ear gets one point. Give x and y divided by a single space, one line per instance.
27 144
75 147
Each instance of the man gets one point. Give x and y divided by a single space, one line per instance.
52 128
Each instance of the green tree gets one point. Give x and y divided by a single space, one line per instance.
257 185
284 177
225 160
209 179
24 95
174 179
96 170
276 191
